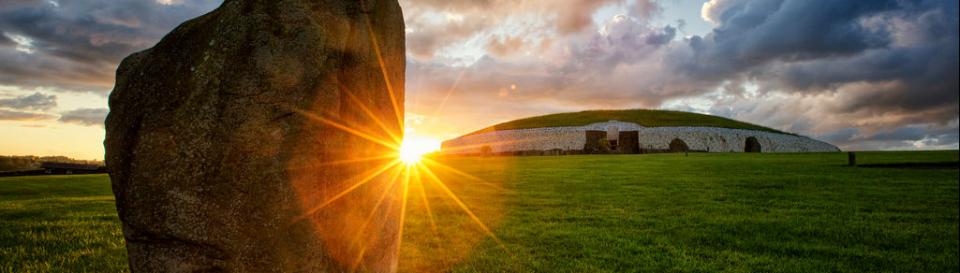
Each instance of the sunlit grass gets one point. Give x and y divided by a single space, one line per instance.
633 213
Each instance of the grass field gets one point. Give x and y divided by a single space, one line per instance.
607 213
644 117
59 224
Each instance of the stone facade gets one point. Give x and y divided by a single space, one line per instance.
573 139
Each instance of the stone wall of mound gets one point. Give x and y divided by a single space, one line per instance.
572 139
539 139
712 139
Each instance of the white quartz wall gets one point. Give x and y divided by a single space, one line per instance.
714 139
658 138
539 139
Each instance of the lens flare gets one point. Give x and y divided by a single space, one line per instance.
414 147
361 213
365 217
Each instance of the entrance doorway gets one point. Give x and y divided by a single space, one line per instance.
752 146
678 146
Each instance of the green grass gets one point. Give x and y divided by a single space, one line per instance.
59 224
707 213
603 213
644 117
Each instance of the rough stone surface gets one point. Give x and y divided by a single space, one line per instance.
707 139
218 157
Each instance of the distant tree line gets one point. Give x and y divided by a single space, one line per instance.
29 162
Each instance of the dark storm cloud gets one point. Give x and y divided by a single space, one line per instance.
76 45
85 116
804 45
921 75
37 101
754 33
15 3
892 62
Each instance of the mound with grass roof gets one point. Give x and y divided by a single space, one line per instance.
629 131
642 117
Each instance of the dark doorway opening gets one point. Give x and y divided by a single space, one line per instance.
629 142
678 146
752 146
597 142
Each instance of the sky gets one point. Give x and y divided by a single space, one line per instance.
863 75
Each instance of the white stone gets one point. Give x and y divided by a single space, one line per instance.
711 139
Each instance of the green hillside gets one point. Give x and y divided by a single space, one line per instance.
644 117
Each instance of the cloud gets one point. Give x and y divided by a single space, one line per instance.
427 37
815 67
16 3
15 115
76 45
862 74
886 66
85 116
751 34
645 9
844 135
504 46
576 15
610 67
434 26
37 101
904 138
6 41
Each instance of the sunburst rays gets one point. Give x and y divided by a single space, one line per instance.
383 181
399 175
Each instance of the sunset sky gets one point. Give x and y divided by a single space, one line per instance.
858 74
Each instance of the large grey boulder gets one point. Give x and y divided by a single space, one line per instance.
223 143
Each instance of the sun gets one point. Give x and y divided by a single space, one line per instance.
413 147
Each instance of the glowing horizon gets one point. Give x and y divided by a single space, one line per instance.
414 147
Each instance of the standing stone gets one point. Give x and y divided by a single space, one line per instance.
227 143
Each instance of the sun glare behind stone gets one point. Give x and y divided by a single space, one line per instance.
415 147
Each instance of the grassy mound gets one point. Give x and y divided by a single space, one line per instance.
644 117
